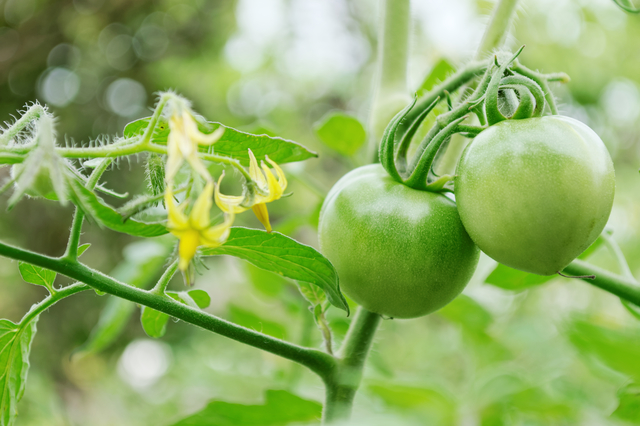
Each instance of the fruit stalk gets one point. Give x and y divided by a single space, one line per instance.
343 383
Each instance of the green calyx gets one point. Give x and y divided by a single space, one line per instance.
506 90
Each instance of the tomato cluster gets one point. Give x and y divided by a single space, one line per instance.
531 193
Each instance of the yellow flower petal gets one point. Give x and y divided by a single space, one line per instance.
217 235
187 247
256 173
177 219
199 216
228 203
262 214
282 179
273 186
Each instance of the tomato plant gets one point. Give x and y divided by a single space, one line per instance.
535 193
403 238
400 252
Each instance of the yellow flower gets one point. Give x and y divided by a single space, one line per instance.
183 141
269 189
194 230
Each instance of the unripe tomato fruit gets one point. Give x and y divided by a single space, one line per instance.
535 193
399 252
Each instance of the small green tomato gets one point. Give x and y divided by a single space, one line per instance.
399 252
535 193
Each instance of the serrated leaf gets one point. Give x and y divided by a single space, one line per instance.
341 132
280 408
153 322
15 346
285 256
106 216
83 248
513 279
629 404
37 275
233 143
438 74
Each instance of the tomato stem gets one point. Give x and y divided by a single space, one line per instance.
343 383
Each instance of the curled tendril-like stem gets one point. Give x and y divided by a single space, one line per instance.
624 5
503 78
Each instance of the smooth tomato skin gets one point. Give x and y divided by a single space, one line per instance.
535 193
399 252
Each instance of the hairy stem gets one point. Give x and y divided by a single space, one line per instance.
161 287
34 112
71 253
390 93
38 308
343 384
496 33
317 361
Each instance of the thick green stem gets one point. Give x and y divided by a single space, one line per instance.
317 361
390 93
623 287
342 385
496 33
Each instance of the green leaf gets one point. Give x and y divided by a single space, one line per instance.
285 256
619 349
198 299
15 346
280 408
37 275
104 215
313 294
153 322
233 143
512 279
82 248
142 264
341 132
468 313
437 75
250 320
629 406
436 407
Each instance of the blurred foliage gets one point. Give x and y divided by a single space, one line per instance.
559 353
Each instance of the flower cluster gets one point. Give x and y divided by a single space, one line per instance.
194 229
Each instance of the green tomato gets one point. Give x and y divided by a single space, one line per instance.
399 252
535 193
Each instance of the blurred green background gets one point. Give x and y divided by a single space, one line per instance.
555 354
